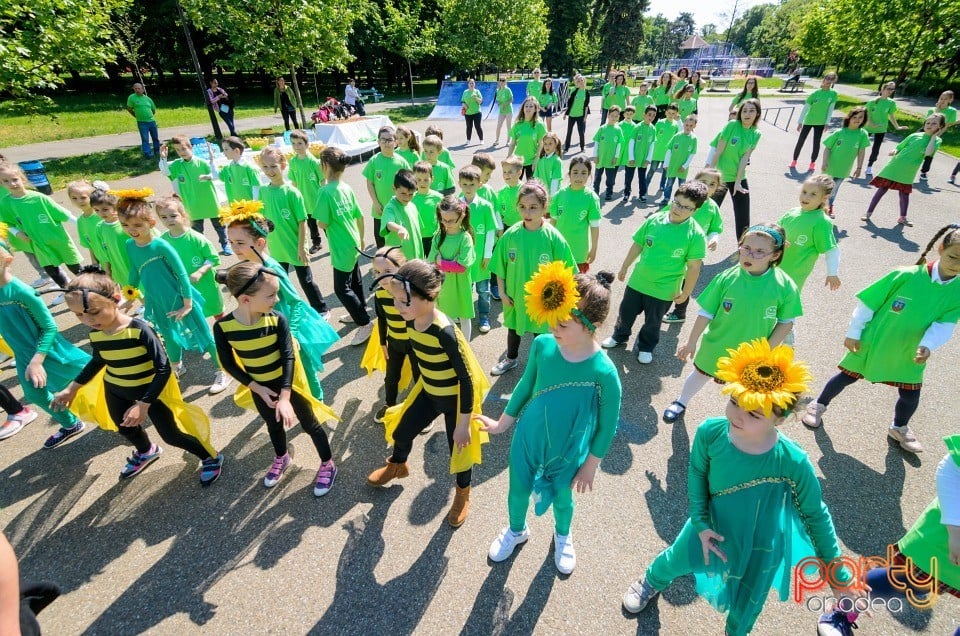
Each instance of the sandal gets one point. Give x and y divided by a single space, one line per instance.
673 412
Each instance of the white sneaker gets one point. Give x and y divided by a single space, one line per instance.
564 555
644 357
221 382
16 421
57 300
869 172
638 596
41 282
362 334
610 343
429 428
346 319
504 545
325 315
179 369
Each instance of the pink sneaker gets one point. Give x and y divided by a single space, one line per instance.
276 471
16 421
325 477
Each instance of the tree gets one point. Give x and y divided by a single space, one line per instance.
281 34
42 37
564 20
742 27
408 34
504 33
621 31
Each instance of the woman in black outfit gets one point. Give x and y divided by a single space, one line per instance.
578 107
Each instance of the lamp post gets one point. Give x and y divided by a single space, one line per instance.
196 66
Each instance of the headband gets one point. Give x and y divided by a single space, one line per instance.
85 291
769 231
586 321
408 286
385 255
257 276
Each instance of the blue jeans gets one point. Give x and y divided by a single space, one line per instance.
483 298
148 130
668 187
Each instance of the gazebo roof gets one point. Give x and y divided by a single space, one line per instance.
694 42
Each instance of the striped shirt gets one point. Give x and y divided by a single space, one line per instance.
389 321
135 360
441 363
265 350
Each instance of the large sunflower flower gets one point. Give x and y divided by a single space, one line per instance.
140 194
759 377
130 293
239 211
551 293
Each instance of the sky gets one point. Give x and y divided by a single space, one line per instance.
703 12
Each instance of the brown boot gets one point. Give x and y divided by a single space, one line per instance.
460 507
383 476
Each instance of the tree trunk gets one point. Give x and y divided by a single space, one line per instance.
296 93
410 74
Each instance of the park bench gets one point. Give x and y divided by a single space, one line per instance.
793 84
719 83
371 92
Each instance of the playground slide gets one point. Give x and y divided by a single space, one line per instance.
448 102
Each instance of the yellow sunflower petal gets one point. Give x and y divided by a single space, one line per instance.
141 193
759 377
551 293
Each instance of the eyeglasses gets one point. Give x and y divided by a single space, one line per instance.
388 139
455 221
688 208
746 251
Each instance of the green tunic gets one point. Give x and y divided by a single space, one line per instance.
239 180
381 170
666 248
113 241
507 205
284 206
41 218
904 165
337 208
407 217
427 211
482 223
194 249
199 197
307 176
845 144
905 303
809 235
456 294
516 258
88 227
527 137
666 130
574 211
743 307
739 142
682 147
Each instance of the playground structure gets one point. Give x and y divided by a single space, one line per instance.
718 60
448 101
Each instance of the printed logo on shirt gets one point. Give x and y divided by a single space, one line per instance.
285 213
734 140
245 182
196 261
679 252
899 304
480 228
43 218
512 255
727 304
839 142
583 215
182 179
770 312
545 259
801 240
379 175
649 241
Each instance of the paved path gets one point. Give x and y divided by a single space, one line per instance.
160 555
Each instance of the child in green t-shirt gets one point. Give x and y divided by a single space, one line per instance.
454 255
549 168
306 175
628 127
643 99
442 173
240 180
682 149
483 225
671 247
444 156
575 212
87 223
880 114
193 180
606 150
842 147
401 221
426 200
815 116
408 146
665 129
950 114
506 203
900 172
810 233
485 163
526 135
640 153
379 173
548 103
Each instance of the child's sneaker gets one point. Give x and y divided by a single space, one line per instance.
63 435
362 334
642 198
210 469
830 211
276 471
564 556
57 300
644 357
325 476
226 250
484 324
869 172
41 282
495 292
380 414
812 166
674 317
504 545
609 196
793 164
220 383
952 180
16 421
506 364
179 369
610 343
905 221
905 437
813 416
923 176
838 623
316 247
138 461
638 596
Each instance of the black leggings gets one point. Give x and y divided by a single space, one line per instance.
875 150
163 420
906 406
217 226
473 121
310 289
349 290
397 352
741 205
289 116
527 173
802 139
278 434
581 124
54 272
418 416
379 240
513 344
9 403
314 231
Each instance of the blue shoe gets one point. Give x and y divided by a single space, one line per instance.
495 292
226 250
138 461
210 469
484 324
63 435
836 624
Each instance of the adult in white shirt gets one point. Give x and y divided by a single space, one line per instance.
352 96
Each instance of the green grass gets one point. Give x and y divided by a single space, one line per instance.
109 166
951 138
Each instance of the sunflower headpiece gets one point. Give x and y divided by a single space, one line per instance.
759 377
551 294
5 236
140 194
243 210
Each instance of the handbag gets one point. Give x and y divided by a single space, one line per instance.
224 108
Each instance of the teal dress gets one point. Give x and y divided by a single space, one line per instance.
28 327
564 412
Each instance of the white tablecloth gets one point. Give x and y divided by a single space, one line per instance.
353 137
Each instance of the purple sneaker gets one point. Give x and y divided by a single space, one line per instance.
325 477
276 470
139 461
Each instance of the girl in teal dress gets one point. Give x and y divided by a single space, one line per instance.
566 407
247 232
171 304
755 503
453 253
195 250
46 362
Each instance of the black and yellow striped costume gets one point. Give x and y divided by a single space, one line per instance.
392 331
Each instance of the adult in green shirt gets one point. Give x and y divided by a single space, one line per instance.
534 86
815 116
578 107
880 110
144 111
472 99
504 98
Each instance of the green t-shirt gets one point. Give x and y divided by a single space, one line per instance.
549 169
507 205
949 113
905 303
666 130
644 136
903 166
682 147
307 177
845 144
338 209
239 180
113 241
743 307
686 107
487 193
609 93
527 138
666 248
41 219
640 102
574 211
472 99
483 223
662 95
504 98
407 217
739 141
546 100
679 86
628 129
879 110
534 88
381 170
809 234
820 105
410 156
456 294
194 249
446 158
426 205
283 205
608 138
87 231
578 101
516 258
142 106
620 96
708 217
442 178
199 197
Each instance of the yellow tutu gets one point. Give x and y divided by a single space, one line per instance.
243 396
5 348
373 360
